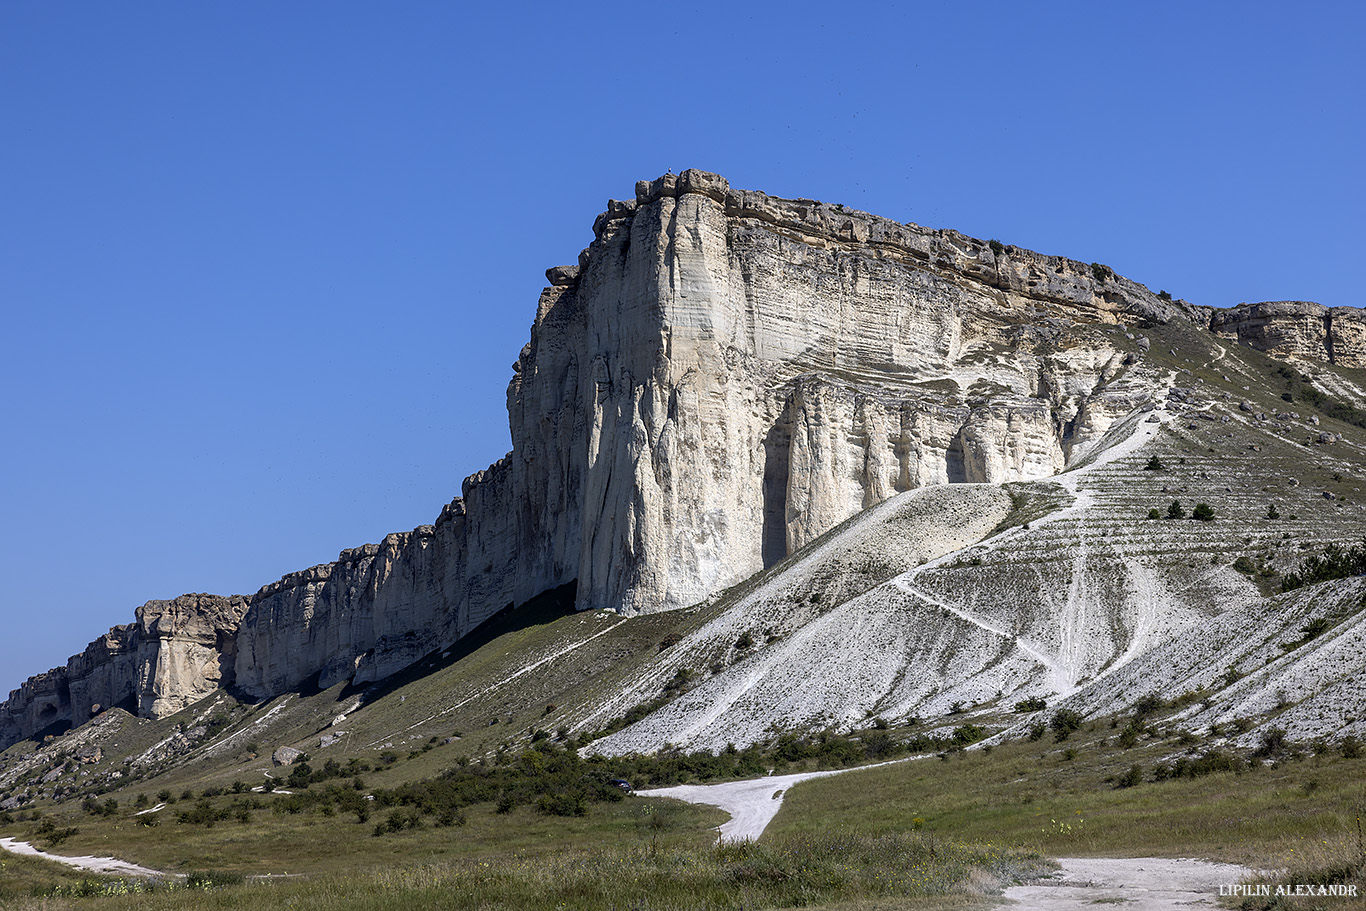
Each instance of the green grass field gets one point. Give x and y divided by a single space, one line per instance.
945 831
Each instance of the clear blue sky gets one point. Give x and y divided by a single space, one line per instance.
264 266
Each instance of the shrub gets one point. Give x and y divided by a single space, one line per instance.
996 246
1032 704
681 678
1274 743
1154 464
670 641
1063 723
1271 512
1336 562
1129 736
1130 778
1203 512
968 734
1154 514
561 805
1036 731
1147 705
745 641
1350 747
1101 272
1175 511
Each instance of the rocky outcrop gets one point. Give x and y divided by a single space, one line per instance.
720 378
176 653
186 649
1297 329
726 375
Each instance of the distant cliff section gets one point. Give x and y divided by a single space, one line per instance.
1299 329
722 377
176 653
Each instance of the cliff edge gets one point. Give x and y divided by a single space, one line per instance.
722 377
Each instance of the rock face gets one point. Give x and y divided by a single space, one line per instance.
727 375
1297 329
176 653
722 377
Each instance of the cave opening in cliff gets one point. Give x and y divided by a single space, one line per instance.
777 446
955 462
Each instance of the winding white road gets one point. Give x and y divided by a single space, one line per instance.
107 865
751 804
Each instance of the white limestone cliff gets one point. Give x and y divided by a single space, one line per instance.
721 378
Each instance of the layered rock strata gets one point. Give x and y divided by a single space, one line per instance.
722 377
176 653
1297 329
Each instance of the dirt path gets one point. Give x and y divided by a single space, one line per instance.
106 865
751 804
1135 883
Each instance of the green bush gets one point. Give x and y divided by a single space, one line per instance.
561 805
1203 512
1175 511
1032 704
1130 778
1063 723
1336 562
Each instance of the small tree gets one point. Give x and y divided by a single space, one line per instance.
1063 723
1271 512
1203 512
1175 511
1154 464
1154 513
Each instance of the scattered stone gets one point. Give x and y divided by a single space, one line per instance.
1313 419
90 754
1244 405
328 739
286 756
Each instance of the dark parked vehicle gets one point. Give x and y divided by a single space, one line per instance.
621 783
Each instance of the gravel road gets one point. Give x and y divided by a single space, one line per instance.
1135 883
751 804
106 865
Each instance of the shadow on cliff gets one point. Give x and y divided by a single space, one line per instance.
546 607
